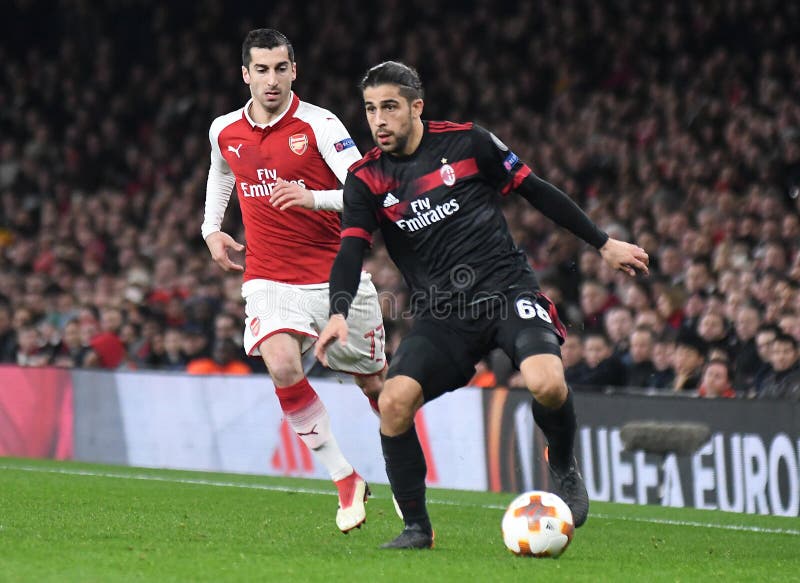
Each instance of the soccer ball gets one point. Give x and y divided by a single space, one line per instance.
537 524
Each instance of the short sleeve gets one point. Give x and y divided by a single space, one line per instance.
501 167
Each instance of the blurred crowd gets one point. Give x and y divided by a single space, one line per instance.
675 125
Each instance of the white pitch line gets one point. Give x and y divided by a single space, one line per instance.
739 527
151 478
303 490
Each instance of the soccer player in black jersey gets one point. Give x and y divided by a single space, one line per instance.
434 191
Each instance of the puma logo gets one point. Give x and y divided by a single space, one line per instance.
312 432
235 150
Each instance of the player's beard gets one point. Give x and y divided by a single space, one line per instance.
400 140
400 143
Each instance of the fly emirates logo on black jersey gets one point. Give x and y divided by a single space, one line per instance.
267 180
425 216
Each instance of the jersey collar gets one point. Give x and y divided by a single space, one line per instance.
294 103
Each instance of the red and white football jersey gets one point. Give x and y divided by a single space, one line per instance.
306 144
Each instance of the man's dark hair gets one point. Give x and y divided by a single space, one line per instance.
264 38
784 338
394 73
691 339
773 328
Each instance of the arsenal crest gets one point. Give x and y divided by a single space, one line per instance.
448 174
255 326
298 143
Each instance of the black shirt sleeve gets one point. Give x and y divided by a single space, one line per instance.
360 206
497 163
358 222
558 207
345 274
505 171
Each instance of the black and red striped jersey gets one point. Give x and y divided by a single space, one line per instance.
440 215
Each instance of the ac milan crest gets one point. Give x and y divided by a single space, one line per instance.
448 175
298 143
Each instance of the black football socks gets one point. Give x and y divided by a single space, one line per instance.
558 426
406 469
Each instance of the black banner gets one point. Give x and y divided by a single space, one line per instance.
750 464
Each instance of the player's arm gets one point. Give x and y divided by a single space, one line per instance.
560 208
508 173
358 222
339 152
219 186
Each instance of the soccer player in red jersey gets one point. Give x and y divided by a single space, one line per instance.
434 190
285 158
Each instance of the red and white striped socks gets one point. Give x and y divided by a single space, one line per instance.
306 414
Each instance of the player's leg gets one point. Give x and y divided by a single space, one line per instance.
552 405
372 385
277 329
531 335
364 357
303 408
399 401
364 354
554 413
308 417
421 371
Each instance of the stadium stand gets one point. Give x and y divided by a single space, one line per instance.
675 124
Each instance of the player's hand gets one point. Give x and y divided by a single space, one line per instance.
286 194
219 243
625 257
335 329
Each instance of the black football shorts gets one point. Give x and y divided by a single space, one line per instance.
440 353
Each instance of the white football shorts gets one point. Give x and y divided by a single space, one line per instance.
302 310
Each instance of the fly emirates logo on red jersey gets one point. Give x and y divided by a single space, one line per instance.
425 216
267 180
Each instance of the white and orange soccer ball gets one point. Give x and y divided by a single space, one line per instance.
537 524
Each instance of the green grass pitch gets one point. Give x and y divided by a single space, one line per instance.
82 522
